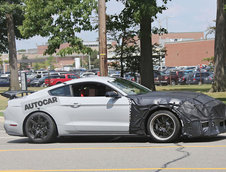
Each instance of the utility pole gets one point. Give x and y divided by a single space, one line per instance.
102 38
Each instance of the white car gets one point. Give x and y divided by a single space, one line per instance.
112 106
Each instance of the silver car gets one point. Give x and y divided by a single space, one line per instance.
112 106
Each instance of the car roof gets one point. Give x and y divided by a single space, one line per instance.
86 79
90 79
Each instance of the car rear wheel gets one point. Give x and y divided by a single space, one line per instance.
40 128
173 82
163 126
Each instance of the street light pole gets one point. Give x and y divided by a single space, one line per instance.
102 38
89 62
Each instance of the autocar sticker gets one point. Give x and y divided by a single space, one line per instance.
40 103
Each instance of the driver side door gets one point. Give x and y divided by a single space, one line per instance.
89 111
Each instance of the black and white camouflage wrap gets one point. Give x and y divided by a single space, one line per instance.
200 115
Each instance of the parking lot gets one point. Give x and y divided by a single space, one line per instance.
104 153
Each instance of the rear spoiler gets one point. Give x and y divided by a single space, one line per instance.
14 94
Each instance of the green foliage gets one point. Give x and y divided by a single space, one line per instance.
78 47
36 66
60 21
142 13
93 58
140 8
21 50
1 62
209 59
14 7
122 29
159 53
49 63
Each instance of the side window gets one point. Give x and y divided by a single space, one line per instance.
90 89
61 91
206 74
72 76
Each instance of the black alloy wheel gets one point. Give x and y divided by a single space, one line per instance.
163 126
40 128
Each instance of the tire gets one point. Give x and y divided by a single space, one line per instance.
163 126
40 128
173 82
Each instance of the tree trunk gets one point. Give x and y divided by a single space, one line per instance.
219 84
14 81
146 63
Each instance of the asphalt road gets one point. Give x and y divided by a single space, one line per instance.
111 154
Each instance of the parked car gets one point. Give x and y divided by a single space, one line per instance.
87 74
30 78
130 76
183 80
169 78
41 73
112 106
159 78
5 75
4 82
37 82
59 79
209 79
197 78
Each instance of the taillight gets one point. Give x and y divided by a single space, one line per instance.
194 79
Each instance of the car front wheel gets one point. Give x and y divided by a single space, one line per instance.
163 126
40 128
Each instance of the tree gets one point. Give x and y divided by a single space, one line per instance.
142 12
11 16
93 58
37 66
219 84
122 29
49 63
60 21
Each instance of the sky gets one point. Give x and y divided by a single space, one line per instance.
181 16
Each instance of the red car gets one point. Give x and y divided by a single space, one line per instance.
62 78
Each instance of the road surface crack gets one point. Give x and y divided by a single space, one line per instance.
179 149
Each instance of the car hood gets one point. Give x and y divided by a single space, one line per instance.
171 97
195 106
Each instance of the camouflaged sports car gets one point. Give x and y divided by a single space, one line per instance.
112 106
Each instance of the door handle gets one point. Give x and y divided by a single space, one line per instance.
76 105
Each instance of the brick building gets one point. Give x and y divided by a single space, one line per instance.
189 53
185 49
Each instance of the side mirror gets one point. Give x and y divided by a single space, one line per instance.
112 94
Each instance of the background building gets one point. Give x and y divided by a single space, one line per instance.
185 49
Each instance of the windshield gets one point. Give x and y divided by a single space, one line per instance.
130 88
